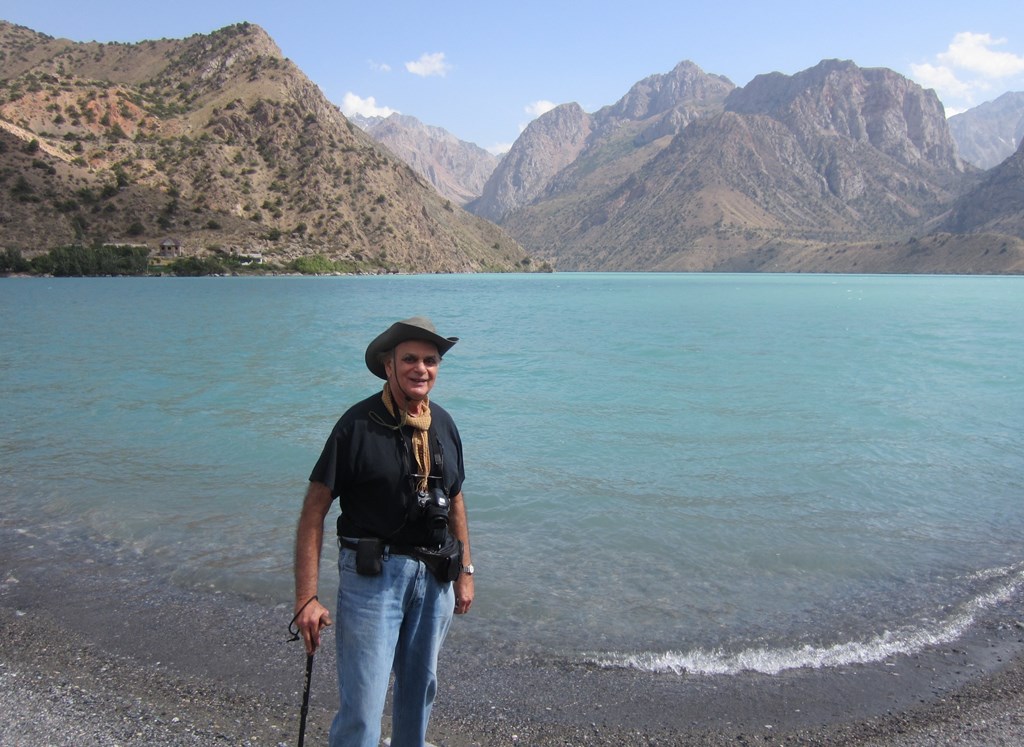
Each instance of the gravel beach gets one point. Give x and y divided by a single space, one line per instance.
95 652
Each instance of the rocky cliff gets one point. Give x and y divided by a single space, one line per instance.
550 143
871 106
220 142
457 170
996 205
558 148
704 177
990 133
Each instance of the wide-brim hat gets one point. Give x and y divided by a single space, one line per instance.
415 328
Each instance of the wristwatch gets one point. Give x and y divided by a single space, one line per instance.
468 569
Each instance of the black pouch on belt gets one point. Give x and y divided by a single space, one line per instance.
369 551
446 563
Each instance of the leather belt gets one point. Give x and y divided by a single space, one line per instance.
388 548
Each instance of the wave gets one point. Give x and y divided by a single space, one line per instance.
907 640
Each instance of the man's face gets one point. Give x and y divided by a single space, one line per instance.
413 368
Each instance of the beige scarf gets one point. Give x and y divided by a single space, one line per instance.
420 424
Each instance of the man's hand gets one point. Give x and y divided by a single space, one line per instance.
463 593
459 527
309 539
310 620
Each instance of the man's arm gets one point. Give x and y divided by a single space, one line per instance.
458 524
309 539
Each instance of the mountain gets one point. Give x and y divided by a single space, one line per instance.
689 173
996 205
219 142
549 144
990 133
570 144
458 170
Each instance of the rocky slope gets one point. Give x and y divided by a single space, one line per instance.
996 205
560 149
457 170
220 142
990 133
549 144
704 176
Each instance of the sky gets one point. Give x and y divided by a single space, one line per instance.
483 70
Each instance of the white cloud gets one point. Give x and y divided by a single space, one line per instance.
429 64
972 52
380 67
969 70
539 107
940 78
352 104
499 149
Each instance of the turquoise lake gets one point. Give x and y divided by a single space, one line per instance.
706 473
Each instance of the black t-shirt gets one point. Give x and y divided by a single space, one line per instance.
368 465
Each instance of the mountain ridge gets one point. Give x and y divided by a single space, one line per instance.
218 141
991 132
767 177
457 170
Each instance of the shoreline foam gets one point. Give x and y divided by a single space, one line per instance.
93 655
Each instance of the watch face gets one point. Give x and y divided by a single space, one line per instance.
468 569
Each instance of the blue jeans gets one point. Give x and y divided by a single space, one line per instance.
395 621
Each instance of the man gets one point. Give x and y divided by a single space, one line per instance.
394 461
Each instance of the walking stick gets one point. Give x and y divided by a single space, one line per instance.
305 700
294 630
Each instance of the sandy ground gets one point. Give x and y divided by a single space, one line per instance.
92 654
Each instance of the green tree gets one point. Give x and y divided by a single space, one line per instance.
42 264
99 259
71 261
12 261
316 264
197 266
319 264
22 191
